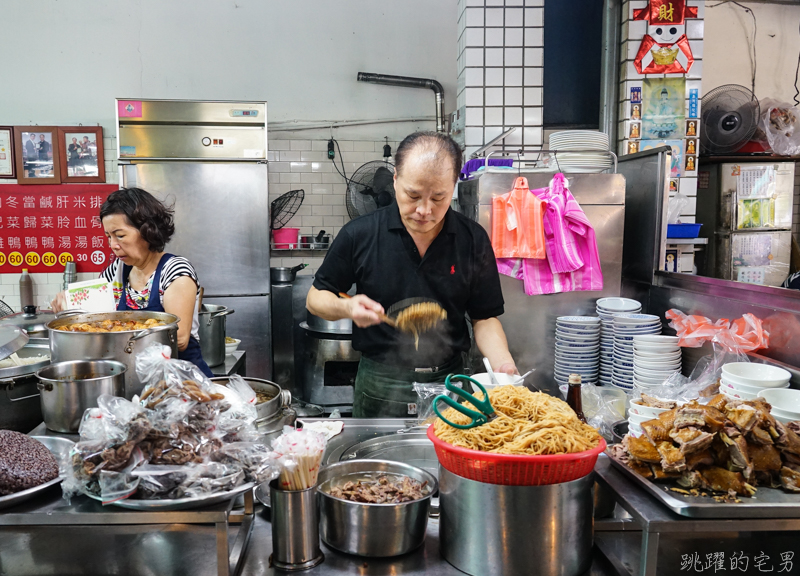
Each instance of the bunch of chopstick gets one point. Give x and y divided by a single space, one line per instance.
300 458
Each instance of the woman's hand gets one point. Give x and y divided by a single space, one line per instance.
59 303
364 311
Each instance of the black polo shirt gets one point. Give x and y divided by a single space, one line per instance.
377 254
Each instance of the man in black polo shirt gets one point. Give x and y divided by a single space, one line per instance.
417 247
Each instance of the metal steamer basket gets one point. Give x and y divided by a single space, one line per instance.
273 414
120 346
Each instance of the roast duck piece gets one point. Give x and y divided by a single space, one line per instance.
727 446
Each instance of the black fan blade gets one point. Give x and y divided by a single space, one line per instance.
383 183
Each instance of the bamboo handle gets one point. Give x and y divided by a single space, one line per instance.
384 318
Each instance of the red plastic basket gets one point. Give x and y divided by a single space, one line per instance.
512 469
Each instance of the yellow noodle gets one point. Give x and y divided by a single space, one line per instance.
529 423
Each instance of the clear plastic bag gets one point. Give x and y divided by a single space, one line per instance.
258 462
600 406
237 423
426 392
677 204
780 121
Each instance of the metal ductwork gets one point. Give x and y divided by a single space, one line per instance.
410 82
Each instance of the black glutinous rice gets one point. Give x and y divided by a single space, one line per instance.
24 463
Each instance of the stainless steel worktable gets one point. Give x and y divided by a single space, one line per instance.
28 546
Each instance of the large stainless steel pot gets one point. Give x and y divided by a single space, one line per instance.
212 332
378 530
120 346
494 530
284 275
67 389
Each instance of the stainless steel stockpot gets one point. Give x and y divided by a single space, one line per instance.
67 389
120 346
377 530
212 332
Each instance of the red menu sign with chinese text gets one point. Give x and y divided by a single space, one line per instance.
42 227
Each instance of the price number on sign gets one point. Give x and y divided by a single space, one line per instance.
65 257
15 259
98 257
49 259
2 259
32 259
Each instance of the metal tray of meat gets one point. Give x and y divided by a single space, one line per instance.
767 502
59 447
167 505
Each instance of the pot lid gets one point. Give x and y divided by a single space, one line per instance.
30 321
12 338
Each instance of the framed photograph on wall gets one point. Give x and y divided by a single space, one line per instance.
81 155
36 154
7 168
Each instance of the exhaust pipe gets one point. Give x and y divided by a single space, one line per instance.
410 82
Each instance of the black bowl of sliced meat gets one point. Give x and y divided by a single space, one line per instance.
374 507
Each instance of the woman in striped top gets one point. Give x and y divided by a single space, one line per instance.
144 276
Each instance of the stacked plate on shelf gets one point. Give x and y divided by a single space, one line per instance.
655 358
581 151
577 348
626 328
607 309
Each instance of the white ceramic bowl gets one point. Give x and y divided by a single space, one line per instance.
231 348
749 389
752 374
786 401
654 348
657 339
641 410
618 304
656 357
736 394
656 365
635 430
504 379
638 419
666 372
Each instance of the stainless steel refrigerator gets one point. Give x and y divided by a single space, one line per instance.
746 211
209 160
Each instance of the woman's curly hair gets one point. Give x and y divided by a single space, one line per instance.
149 215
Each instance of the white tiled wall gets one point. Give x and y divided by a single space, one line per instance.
45 287
303 164
500 71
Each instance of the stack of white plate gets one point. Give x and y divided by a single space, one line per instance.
577 348
607 308
655 358
570 160
626 327
746 380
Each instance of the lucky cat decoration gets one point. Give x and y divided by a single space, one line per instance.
665 48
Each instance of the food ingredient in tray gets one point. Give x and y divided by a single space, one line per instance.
24 463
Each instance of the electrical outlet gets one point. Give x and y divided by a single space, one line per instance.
331 152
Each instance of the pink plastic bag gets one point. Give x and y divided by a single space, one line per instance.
744 334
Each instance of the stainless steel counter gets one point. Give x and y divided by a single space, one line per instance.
107 540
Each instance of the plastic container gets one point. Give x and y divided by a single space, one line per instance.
683 230
286 238
25 289
512 469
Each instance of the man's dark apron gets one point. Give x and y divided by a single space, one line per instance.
192 352
384 391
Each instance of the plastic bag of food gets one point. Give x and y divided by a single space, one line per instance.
599 407
780 121
237 423
677 204
258 462
211 478
162 482
115 420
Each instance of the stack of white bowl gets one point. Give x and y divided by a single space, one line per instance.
577 348
655 358
746 380
638 413
785 403
607 308
626 328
